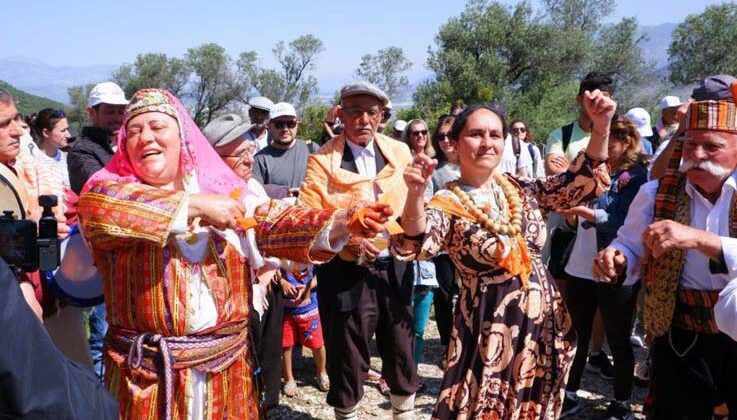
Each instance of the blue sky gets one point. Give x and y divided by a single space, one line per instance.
75 32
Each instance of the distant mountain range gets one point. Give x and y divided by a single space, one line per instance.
42 79
27 103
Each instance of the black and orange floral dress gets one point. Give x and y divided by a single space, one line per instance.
511 345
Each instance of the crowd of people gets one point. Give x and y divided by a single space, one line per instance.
224 250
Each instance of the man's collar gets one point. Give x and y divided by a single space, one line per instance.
730 182
357 149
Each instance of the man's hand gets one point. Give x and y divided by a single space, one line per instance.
608 264
600 109
359 246
663 235
369 220
417 174
216 210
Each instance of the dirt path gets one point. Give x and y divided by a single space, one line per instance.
310 402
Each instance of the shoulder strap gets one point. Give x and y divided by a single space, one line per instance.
567 134
531 149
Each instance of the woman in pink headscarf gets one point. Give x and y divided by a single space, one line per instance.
167 222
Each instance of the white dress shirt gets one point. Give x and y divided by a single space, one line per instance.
365 159
706 216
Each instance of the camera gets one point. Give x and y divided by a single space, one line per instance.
24 245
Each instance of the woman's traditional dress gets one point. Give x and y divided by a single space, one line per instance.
511 345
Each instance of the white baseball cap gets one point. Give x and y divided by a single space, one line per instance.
641 118
400 125
670 102
282 109
106 93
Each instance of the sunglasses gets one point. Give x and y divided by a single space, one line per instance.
441 137
418 132
519 130
282 124
620 135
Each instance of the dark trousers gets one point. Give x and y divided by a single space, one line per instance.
443 296
355 302
689 387
267 339
617 304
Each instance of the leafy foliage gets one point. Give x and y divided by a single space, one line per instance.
386 70
704 45
530 62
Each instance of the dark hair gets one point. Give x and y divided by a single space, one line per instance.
596 80
5 96
462 118
528 138
46 119
444 121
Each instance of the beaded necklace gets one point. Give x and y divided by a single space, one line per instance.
513 223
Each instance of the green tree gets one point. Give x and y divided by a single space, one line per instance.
214 83
291 82
311 122
619 53
386 69
704 45
153 71
531 62
77 114
584 15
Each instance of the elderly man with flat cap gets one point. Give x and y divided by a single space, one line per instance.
363 290
680 237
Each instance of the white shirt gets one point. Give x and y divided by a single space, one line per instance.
364 157
725 311
583 252
510 163
706 216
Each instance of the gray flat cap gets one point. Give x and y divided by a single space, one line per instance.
225 129
261 102
363 88
714 88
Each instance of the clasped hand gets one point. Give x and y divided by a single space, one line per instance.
417 174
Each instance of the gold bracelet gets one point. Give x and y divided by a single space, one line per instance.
413 219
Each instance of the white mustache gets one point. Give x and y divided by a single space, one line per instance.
707 165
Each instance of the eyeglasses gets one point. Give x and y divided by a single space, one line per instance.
519 130
58 113
418 132
282 124
441 137
357 112
241 156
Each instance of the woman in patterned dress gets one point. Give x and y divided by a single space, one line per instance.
512 342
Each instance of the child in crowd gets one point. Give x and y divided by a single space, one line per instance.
302 324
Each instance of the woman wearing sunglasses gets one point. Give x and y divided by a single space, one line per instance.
417 138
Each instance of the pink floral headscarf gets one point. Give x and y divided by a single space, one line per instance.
197 157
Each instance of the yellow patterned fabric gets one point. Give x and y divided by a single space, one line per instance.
712 115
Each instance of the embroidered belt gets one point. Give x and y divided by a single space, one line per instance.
208 351
694 311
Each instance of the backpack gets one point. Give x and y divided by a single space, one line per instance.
567 131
